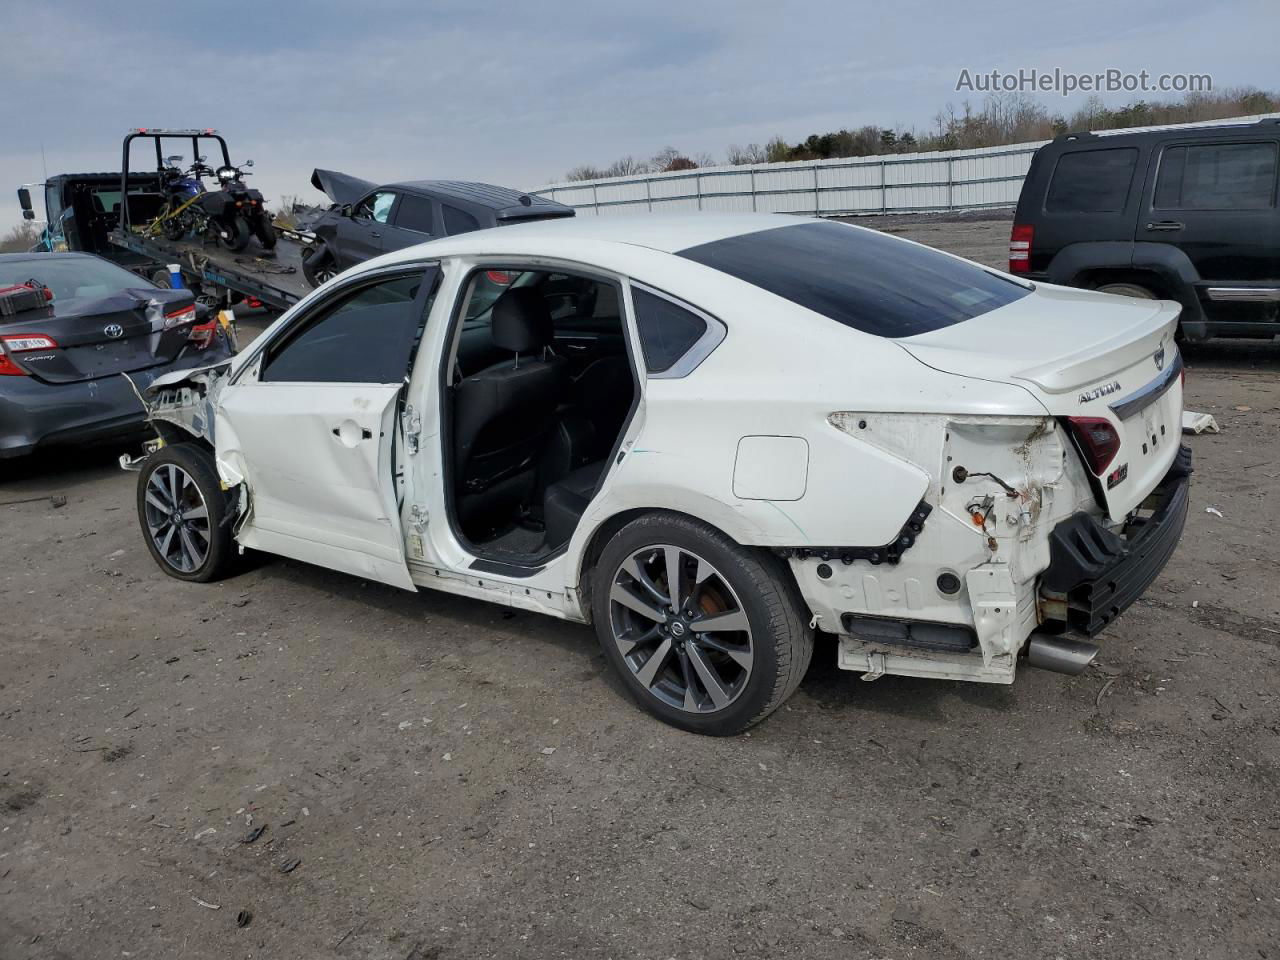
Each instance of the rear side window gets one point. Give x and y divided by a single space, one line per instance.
1217 176
458 221
367 336
667 330
416 213
861 278
1092 181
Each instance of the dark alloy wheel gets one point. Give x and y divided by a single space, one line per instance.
318 266
182 510
707 635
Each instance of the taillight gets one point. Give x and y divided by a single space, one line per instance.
22 343
176 318
1098 441
499 277
1020 247
202 333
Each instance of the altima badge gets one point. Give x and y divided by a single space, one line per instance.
1100 391
113 330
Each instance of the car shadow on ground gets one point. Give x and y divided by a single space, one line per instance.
1233 354
917 698
66 467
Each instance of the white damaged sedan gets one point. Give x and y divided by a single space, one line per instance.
709 436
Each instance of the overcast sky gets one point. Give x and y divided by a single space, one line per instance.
517 93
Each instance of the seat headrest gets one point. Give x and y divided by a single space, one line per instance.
521 321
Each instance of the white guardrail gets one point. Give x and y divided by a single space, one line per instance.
894 183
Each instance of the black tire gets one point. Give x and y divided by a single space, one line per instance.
233 233
1135 290
194 462
780 641
265 231
318 265
161 278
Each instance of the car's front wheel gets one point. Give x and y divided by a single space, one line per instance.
318 265
183 512
707 635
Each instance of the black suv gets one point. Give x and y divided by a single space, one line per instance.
1184 214
368 220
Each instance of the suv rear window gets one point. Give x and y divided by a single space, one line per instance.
1092 181
863 279
1217 176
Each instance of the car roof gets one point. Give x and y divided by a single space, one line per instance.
664 232
1267 127
481 194
37 255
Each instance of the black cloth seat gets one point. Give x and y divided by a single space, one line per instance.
502 414
564 502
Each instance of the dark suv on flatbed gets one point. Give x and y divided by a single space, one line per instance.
1187 214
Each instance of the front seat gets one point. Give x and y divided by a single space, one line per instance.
503 413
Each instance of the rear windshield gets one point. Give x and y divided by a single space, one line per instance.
866 280
71 278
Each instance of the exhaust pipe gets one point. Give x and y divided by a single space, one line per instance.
1060 654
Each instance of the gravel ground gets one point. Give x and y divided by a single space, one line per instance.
438 777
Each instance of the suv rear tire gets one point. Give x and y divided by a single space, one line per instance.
1128 290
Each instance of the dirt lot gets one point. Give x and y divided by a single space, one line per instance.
398 750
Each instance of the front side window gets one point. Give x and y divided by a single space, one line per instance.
861 278
365 336
1217 176
417 214
376 206
1092 181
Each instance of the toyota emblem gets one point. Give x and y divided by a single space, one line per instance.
1158 357
113 330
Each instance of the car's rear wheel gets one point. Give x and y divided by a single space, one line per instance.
707 635
183 511
318 266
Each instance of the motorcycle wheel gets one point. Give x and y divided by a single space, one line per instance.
265 231
233 233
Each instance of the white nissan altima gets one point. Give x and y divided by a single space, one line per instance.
710 437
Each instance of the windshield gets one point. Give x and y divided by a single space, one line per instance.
864 279
71 278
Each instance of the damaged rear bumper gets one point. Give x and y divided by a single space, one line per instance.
1094 574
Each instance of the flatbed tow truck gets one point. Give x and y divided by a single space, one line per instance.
109 213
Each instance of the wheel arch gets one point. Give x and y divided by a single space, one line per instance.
606 529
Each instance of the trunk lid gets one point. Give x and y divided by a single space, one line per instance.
128 330
1082 355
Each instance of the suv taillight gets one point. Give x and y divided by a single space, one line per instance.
1098 441
1020 247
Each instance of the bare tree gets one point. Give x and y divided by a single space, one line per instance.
584 172
627 166
21 238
